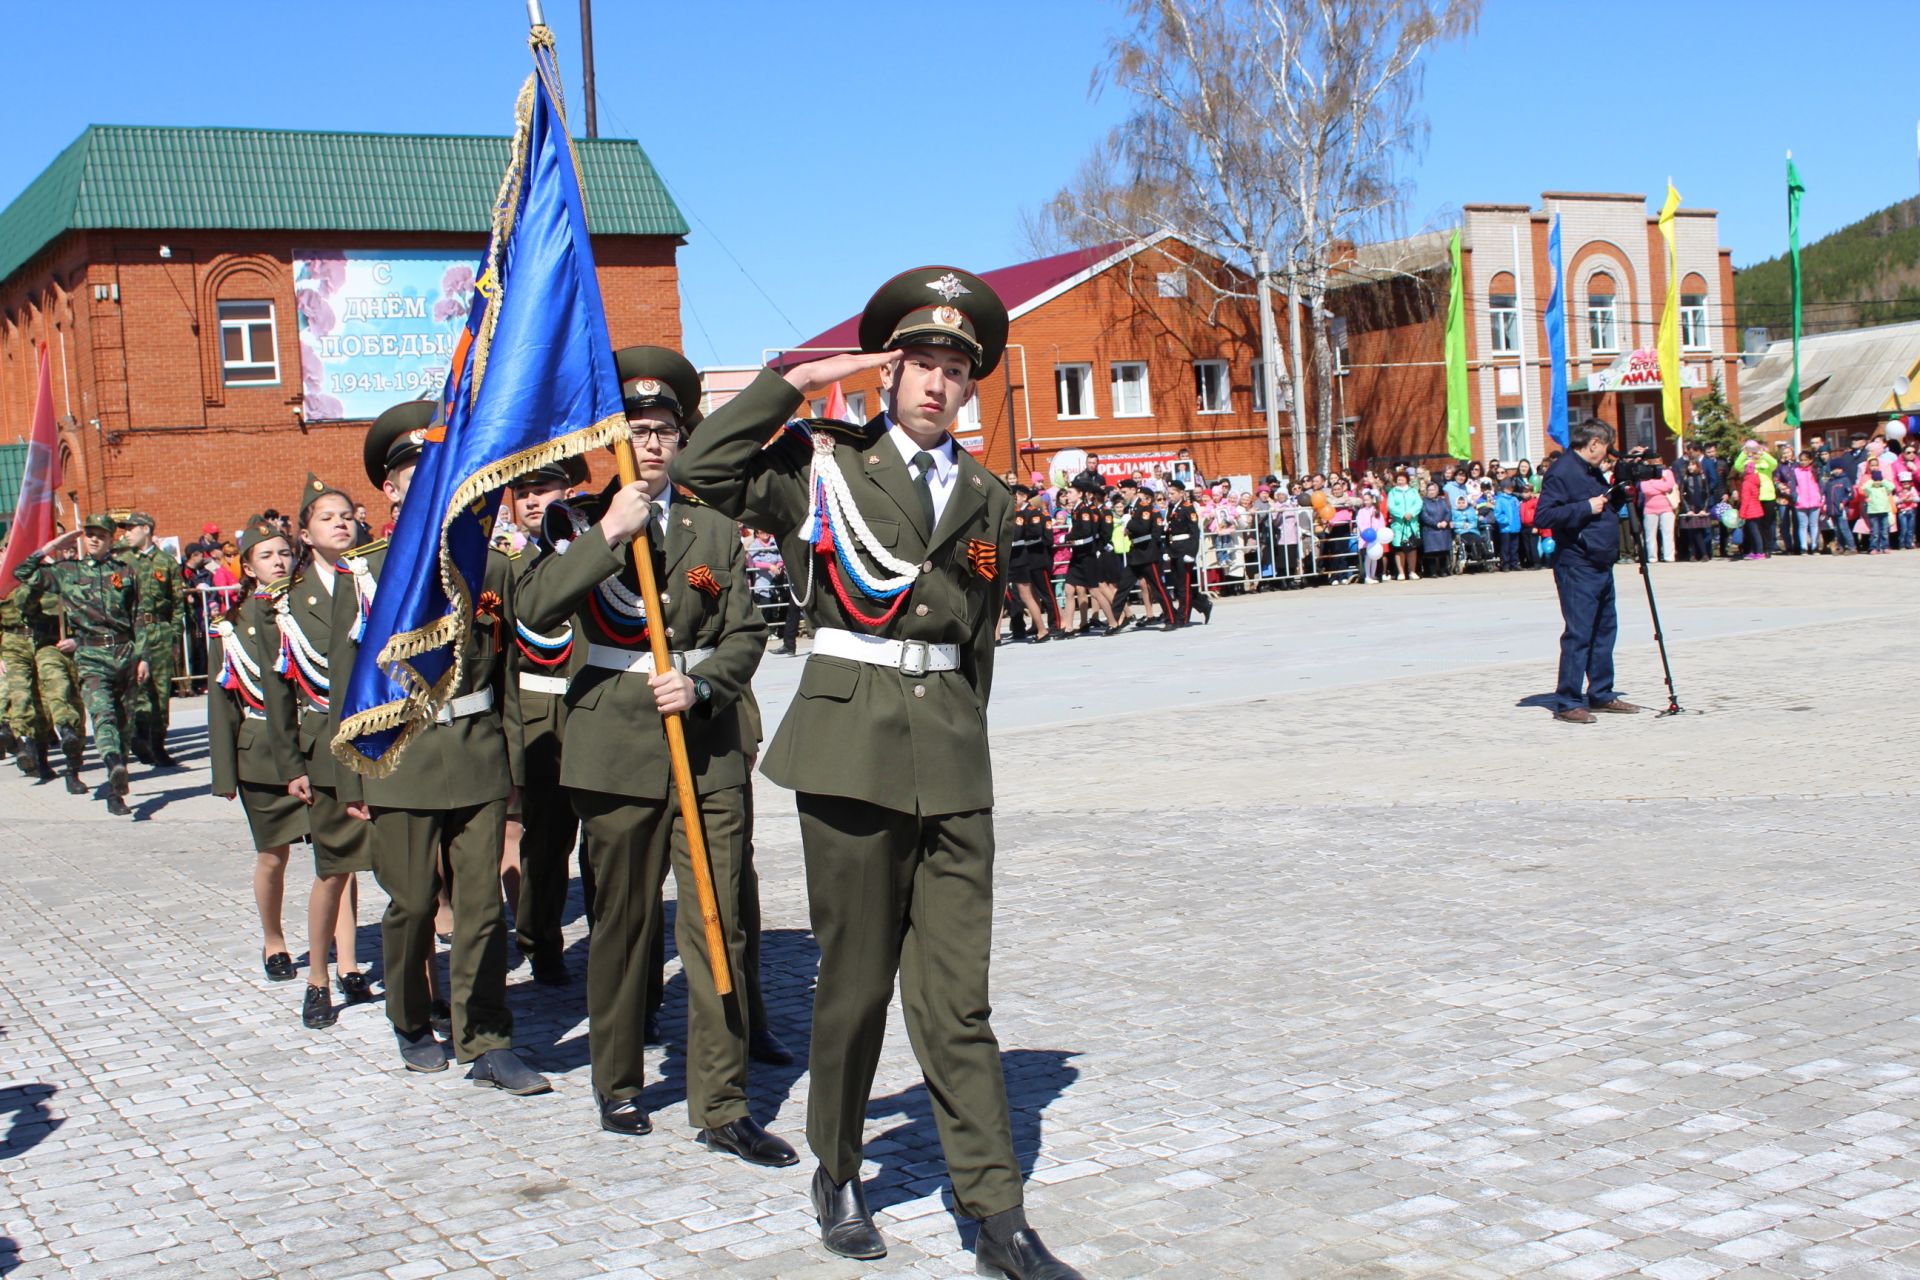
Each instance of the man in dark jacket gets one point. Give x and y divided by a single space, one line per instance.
1573 503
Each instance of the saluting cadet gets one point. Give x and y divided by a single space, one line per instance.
617 767
163 608
99 599
1183 556
541 836
298 700
1145 533
903 538
1029 568
445 802
250 760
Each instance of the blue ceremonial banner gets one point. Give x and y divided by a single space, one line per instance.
532 381
1557 340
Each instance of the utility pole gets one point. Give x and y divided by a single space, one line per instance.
586 64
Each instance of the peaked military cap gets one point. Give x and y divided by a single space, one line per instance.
98 522
396 438
258 529
140 519
659 378
571 472
939 307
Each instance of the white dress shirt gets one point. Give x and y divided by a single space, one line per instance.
946 468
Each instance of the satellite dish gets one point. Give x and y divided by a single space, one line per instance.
1902 384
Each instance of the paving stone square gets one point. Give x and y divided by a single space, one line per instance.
1321 951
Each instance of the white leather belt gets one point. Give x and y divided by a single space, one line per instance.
641 660
911 657
471 704
534 682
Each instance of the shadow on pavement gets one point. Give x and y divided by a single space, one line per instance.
30 1122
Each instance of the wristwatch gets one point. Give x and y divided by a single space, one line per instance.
702 691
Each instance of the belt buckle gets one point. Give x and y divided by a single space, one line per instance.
915 657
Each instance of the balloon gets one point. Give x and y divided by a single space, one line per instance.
1546 546
1729 517
1896 429
1376 550
1368 535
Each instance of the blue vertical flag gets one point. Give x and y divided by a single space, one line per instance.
1557 340
533 381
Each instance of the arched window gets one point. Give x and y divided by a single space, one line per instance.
1503 315
1603 317
1693 313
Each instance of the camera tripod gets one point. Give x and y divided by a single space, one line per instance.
1639 536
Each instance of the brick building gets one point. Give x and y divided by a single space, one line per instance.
226 309
1392 301
1132 351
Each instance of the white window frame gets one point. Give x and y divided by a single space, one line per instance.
247 327
1693 322
1645 425
1225 387
1612 313
1503 324
1511 437
1114 384
968 419
819 408
1083 372
857 406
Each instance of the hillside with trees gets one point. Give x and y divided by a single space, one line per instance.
1864 274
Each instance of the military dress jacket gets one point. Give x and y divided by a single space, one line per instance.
1183 530
911 743
244 744
536 719
1032 540
1144 532
616 739
98 596
452 765
299 697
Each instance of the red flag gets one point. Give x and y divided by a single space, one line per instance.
836 404
33 513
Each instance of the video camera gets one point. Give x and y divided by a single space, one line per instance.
1637 467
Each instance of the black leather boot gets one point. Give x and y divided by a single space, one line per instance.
29 760
116 774
137 743
157 748
75 750
846 1224
8 743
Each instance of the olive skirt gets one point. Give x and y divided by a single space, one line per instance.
275 817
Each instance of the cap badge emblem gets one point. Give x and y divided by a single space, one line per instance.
947 317
647 386
417 437
948 286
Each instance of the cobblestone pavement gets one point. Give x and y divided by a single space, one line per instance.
1322 951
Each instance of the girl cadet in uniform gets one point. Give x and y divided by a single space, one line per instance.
297 703
250 761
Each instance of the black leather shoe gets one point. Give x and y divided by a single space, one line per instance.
355 987
420 1051
846 1224
317 1012
1020 1256
279 966
502 1069
624 1116
550 971
440 1018
764 1046
750 1142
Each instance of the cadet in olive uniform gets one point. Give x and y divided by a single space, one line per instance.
250 760
163 612
43 687
539 666
1183 556
1146 532
617 767
446 799
299 699
886 740
99 600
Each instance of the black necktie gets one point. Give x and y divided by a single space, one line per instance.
924 482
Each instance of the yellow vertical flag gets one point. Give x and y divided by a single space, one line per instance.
1668 344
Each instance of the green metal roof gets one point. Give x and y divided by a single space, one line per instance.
13 469
148 177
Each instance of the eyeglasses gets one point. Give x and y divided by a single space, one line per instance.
660 434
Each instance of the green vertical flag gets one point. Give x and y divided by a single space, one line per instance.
1794 192
1459 412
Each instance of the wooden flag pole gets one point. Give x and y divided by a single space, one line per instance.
717 958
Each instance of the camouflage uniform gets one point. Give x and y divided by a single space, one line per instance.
157 630
42 688
101 600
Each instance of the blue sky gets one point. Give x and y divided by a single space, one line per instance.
818 149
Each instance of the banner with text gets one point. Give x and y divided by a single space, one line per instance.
377 326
